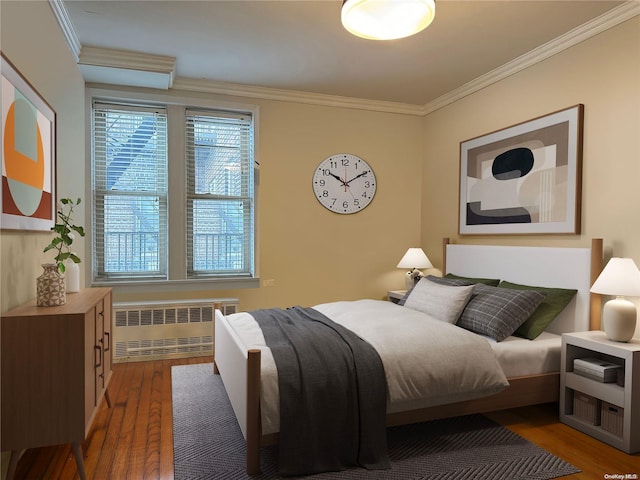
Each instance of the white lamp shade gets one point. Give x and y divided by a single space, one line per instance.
387 19
620 277
415 258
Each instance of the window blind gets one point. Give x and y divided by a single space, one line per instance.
220 193
129 155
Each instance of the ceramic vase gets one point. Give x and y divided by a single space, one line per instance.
72 276
50 288
619 319
409 282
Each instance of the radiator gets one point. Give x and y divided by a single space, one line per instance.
169 329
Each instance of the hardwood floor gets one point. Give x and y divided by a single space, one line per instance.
133 439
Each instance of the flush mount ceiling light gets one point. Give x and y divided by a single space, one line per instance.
387 19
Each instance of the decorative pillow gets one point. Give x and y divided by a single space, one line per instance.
456 282
442 302
555 301
487 281
498 312
442 281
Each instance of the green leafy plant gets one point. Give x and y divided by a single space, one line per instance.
64 233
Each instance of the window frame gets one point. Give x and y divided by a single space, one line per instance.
101 190
178 279
234 122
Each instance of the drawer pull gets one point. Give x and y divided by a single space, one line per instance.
108 347
99 359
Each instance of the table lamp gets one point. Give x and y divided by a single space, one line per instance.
620 278
414 259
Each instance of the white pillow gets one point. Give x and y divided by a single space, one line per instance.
443 302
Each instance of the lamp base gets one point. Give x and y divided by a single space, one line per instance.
409 282
411 278
619 319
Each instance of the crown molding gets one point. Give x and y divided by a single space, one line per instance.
124 67
267 93
128 60
155 70
608 20
68 30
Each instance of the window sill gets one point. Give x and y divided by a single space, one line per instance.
154 286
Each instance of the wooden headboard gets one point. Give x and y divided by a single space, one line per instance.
557 267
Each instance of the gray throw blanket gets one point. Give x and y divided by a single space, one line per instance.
332 393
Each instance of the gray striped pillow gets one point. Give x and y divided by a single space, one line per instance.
498 312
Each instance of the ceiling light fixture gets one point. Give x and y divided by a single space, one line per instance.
387 19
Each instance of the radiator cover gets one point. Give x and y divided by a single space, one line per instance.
168 329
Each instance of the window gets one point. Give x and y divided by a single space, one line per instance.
219 194
142 158
130 191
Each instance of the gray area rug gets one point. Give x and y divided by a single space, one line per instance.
208 444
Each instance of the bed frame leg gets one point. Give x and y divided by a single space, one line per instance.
595 310
216 306
253 412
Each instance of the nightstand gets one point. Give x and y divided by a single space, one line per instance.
609 412
395 296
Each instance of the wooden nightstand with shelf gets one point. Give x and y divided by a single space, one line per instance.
395 295
56 367
617 421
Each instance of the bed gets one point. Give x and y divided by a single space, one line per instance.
565 268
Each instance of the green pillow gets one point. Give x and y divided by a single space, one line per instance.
493 282
554 302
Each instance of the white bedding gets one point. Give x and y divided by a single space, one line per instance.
520 357
427 362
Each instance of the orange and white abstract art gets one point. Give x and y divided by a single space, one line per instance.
28 155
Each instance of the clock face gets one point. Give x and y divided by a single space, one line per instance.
344 183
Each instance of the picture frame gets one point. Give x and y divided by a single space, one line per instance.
524 179
28 127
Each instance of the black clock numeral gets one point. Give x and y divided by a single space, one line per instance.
321 183
345 162
345 204
326 172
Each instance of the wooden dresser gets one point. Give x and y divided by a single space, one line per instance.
56 366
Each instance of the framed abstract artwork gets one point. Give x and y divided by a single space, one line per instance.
28 196
525 179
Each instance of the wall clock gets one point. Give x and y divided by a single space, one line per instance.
344 183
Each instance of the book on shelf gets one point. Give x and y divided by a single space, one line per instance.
596 369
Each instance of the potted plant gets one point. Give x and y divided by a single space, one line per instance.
64 230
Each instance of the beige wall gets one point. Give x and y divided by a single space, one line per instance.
32 40
316 256
312 254
603 73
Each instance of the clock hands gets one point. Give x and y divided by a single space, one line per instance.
357 176
338 178
345 183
